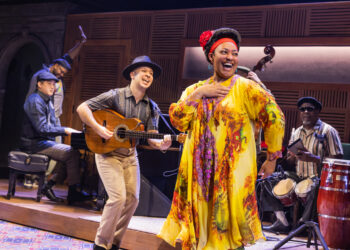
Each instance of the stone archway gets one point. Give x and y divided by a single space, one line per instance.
18 62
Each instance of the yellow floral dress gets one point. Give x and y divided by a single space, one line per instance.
214 205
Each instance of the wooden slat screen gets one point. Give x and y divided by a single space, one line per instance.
67 80
248 23
163 35
199 22
101 69
164 89
106 28
329 98
333 21
140 40
285 23
168 30
286 97
337 120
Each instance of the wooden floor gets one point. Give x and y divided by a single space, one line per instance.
64 219
75 221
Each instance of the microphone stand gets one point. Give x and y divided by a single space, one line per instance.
310 226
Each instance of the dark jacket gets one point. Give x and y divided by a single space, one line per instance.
39 126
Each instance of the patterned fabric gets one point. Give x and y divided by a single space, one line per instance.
328 145
214 205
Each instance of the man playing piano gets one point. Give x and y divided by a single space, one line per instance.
39 129
119 170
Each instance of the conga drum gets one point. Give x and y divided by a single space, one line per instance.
284 191
303 188
333 203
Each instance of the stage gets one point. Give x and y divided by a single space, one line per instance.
82 221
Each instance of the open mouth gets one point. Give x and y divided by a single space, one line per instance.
228 66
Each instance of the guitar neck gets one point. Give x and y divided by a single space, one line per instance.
143 135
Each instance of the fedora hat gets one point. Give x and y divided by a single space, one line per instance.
139 62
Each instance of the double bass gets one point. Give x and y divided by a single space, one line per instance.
269 51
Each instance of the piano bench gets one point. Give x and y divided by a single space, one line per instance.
24 163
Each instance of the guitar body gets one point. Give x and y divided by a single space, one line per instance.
114 122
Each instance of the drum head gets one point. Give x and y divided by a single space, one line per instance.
303 187
284 187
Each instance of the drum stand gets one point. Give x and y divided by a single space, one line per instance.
311 227
313 230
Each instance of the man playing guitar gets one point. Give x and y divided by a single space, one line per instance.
119 169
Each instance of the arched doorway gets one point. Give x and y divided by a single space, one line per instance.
24 63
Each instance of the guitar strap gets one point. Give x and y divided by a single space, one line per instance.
154 107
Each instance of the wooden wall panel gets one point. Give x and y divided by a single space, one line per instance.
330 21
168 30
286 97
163 35
285 23
334 97
105 27
248 23
139 40
100 70
199 22
330 98
337 120
164 89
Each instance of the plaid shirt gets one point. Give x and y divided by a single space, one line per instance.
323 140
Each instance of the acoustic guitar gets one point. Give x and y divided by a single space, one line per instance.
125 132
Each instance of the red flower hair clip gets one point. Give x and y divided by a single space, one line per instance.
204 38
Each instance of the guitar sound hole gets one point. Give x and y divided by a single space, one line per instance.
121 133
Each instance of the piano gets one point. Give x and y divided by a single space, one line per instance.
78 141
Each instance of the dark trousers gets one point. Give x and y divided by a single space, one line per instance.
68 156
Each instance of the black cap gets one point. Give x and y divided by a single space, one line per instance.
139 62
46 76
310 99
64 63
